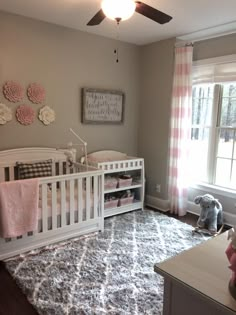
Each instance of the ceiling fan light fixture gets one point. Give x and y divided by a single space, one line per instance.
118 9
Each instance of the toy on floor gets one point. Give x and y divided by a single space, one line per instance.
231 255
211 215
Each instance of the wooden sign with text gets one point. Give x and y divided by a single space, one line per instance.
102 106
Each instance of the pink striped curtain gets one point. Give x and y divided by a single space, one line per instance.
180 130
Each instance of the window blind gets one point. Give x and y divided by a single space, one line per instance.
214 73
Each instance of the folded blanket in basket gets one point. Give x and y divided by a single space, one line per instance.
18 207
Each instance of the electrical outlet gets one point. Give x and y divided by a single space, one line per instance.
158 188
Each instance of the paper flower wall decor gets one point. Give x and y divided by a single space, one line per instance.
25 114
36 93
47 115
5 114
13 91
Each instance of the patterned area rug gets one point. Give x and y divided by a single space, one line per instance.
104 273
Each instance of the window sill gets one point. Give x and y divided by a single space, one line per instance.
214 189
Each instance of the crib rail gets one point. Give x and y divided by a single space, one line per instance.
69 205
73 196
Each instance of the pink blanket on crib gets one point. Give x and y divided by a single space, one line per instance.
18 207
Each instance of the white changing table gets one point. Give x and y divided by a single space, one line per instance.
116 164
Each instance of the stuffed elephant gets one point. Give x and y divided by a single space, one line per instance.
211 212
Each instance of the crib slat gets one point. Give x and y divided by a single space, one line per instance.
72 202
80 200
11 173
88 200
2 174
60 168
44 208
63 203
53 168
67 168
54 206
101 200
95 196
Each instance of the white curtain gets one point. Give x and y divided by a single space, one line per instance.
180 130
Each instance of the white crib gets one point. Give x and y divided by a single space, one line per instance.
70 201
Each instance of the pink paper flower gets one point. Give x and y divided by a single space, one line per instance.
13 91
36 93
25 114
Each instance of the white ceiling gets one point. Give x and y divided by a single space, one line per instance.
188 16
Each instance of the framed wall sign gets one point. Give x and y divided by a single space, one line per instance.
102 106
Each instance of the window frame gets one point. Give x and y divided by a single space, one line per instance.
216 108
213 139
218 130
209 187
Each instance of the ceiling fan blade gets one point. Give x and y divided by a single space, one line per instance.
97 19
152 13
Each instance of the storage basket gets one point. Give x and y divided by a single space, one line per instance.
124 182
110 183
126 201
111 203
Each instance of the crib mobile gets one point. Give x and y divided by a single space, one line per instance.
82 143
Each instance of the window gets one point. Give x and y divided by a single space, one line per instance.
213 133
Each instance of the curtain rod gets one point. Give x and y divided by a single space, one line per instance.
183 44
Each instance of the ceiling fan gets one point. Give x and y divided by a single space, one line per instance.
120 10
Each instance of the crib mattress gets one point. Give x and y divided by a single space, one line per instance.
68 205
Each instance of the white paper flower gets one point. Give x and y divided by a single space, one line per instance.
5 114
46 115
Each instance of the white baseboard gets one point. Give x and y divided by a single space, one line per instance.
163 205
156 203
193 208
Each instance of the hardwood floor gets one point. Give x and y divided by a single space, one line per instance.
14 302
189 218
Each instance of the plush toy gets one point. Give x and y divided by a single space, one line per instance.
211 213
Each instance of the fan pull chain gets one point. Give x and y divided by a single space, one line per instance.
116 50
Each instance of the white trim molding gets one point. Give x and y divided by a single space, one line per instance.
156 203
214 189
163 206
211 32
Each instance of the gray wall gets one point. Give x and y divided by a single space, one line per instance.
63 61
215 47
157 75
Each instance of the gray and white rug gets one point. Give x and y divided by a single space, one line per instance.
104 273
